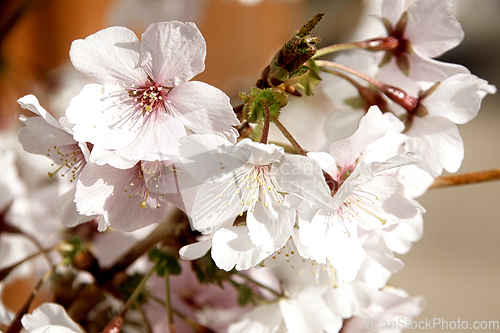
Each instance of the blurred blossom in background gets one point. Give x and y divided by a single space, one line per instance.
456 264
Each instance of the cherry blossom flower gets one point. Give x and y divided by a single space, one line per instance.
431 125
366 198
121 196
425 31
251 178
46 136
143 100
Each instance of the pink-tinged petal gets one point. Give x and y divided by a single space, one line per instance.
431 28
51 315
40 137
195 250
439 142
203 109
97 118
117 195
267 231
262 319
110 56
174 52
371 127
458 98
302 176
65 209
30 102
426 69
159 141
392 10
232 247
103 156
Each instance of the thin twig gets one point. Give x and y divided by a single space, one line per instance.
467 178
287 135
265 127
168 304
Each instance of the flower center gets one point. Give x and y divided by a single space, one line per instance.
146 176
149 98
69 156
255 184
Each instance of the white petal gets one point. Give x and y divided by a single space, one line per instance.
156 141
302 176
439 142
174 52
203 109
262 154
65 209
392 10
430 70
458 98
262 319
213 205
371 127
30 102
268 231
96 116
50 314
195 250
110 56
431 28
211 158
232 247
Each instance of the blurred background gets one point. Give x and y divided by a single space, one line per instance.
456 265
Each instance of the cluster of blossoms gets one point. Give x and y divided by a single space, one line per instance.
315 231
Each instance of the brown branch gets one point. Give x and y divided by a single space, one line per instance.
467 178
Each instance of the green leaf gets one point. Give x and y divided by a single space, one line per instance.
274 98
165 263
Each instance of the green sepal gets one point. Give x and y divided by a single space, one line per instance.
164 262
309 80
274 98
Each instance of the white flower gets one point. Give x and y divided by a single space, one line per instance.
254 178
431 126
363 196
143 99
425 31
